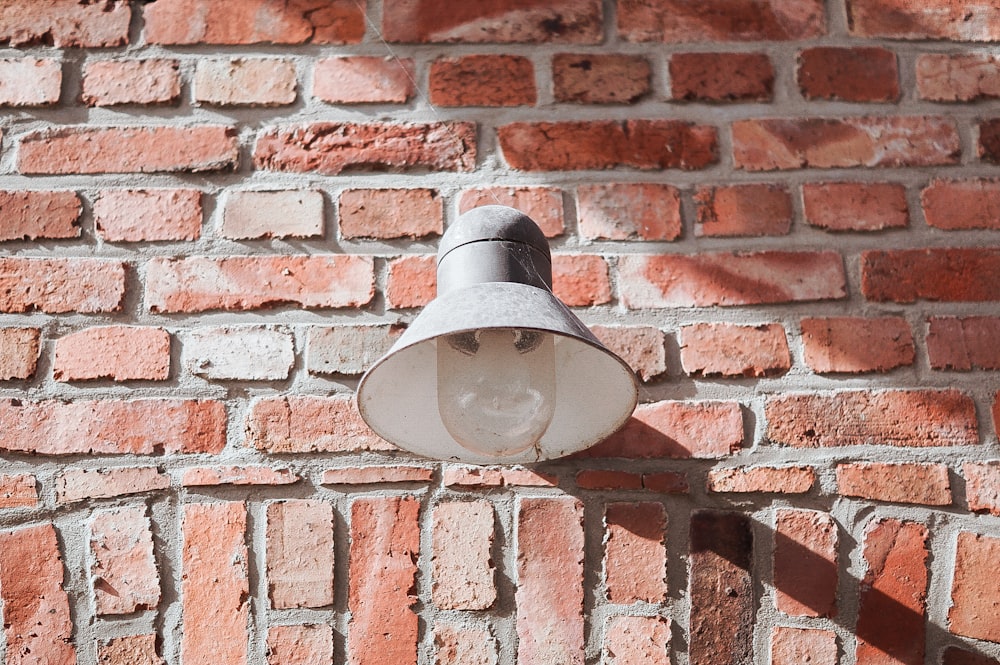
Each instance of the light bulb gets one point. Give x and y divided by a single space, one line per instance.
496 388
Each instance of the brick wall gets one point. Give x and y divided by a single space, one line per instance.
784 214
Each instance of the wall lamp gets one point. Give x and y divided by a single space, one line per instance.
496 369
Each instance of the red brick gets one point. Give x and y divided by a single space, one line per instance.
964 343
73 485
254 22
377 475
892 610
209 476
196 283
305 424
412 281
962 204
911 418
55 286
982 486
989 141
138 427
390 213
482 80
580 280
926 484
959 20
743 210
864 74
310 644
642 347
544 205
477 476
141 215
385 541
805 563
36 613
720 586
130 650
462 564
975 590
328 148
666 482
635 552
730 278
996 412
72 150
721 77
702 430
347 350
18 491
720 20
854 344
65 23
726 349
906 275
638 640
123 570
629 211
300 554
776 480
114 82
955 656
496 21
293 213
593 78
29 215
460 644
549 593
30 81
606 144
120 353
791 646
241 353
363 80
606 479
963 77
244 82
522 477
855 206
19 349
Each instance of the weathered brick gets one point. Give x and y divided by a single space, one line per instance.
702 430
967 343
478 476
461 644
743 210
130 650
29 215
254 22
293 213
140 427
727 349
303 424
854 344
462 565
244 82
363 80
916 418
412 281
805 563
949 274
309 644
975 589
74 485
120 353
608 479
593 78
36 613
982 486
348 350
209 476
893 603
142 215
65 23
549 593
115 82
244 353
794 143
791 646
390 213
30 81
995 411
580 280
606 144
122 568
721 77
772 479
629 211
642 347
960 20
666 482
55 286
957 656
385 540
862 74
215 591
962 204
544 205
720 20
72 150
377 475
989 141
300 554
18 490
730 278
328 148
720 586
482 80
961 77
926 484
496 21
855 206
19 349
196 283
638 640
635 552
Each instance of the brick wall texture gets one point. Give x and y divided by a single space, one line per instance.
784 214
